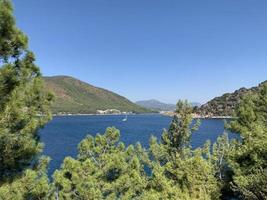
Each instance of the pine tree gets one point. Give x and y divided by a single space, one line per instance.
24 108
220 155
178 171
180 131
248 158
105 169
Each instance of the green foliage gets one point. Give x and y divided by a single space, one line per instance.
189 175
12 41
105 169
30 184
220 154
185 173
74 96
249 156
179 135
24 108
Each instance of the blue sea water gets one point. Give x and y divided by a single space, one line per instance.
62 135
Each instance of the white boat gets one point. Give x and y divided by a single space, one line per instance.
125 119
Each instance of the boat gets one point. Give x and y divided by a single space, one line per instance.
125 119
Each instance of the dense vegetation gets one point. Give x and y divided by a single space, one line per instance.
105 168
248 159
74 96
24 107
226 104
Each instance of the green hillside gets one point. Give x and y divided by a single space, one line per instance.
75 96
227 103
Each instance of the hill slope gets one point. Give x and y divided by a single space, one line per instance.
227 103
75 96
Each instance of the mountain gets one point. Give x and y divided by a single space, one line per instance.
195 104
74 96
227 103
156 105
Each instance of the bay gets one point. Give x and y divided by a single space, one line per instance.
62 135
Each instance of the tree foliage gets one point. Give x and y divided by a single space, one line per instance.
24 108
180 131
189 172
105 169
249 156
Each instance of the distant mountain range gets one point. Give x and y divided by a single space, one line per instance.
227 103
74 96
156 105
160 106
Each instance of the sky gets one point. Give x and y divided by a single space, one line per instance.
150 49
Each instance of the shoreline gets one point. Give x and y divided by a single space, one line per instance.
122 114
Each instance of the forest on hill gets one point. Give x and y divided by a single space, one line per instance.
77 97
226 104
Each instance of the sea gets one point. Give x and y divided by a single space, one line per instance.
62 134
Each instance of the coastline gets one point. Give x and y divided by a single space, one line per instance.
122 114
96 114
198 116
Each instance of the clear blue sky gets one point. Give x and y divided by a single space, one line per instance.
143 49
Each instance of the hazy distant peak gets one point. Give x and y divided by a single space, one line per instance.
156 105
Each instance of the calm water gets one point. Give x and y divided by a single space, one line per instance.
62 135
